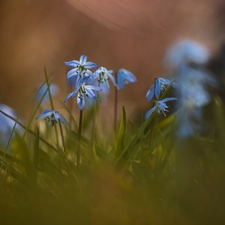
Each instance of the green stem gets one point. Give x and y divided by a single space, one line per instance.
62 136
115 105
52 106
70 105
94 121
79 138
93 125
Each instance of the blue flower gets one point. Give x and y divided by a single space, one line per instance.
159 87
71 81
7 124
189 123
185 51
81 69
160 106
124 77
84 91
102 76
193 86
52 117
54 89
193 95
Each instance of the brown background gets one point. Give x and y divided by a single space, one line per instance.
113 33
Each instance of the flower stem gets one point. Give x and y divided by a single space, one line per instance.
70 105
62 136
51 102
79 138
115 105
93 125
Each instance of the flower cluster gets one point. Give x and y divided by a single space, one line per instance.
157 90
87 83
188 58
193 96
186 51
84 78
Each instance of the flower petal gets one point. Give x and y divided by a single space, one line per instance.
157 88
73 63
90 65
72 94
150 93
91 94
150 112
167 99
72 72
80 101
45 113
83 59
120 81
91 75
95 88
63 120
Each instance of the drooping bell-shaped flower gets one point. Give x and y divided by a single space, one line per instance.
160 107
124 77
52 117
85 90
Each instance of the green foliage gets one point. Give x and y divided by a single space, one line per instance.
144 175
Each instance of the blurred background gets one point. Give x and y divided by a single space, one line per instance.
112 33
126 33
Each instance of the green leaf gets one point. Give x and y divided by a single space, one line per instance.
20 149
121 134
36 150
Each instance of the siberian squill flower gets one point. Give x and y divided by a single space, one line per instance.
160 107
158 88
81 69
7 124
85 90
71 82
52 117
102 76
186 51
54 90
124 77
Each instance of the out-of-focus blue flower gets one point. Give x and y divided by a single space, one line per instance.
160 106
102 76
125 77
7 124
189 123
185 51
52 117
83 91
193 95
54 89
158 88
193 85
81 69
